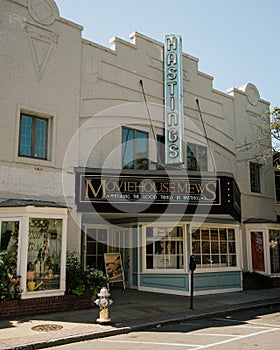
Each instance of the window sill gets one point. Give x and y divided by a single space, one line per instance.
35 161
167 271
217 269
43 293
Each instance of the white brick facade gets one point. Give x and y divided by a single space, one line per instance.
47 69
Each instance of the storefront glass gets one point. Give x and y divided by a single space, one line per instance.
214 247
274 249
44 254
164 249
9 279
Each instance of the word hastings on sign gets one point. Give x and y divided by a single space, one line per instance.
174 116
95 188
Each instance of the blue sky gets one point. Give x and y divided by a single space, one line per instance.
235 41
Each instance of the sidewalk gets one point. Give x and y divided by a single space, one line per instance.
132 310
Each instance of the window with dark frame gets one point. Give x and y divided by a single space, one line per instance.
134 149
160 152
196 157
277 186
255 177
33 136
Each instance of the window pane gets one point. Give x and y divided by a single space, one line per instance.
191 158
223 234
9 283
255 177
141 152
128 148
205 247
214 247
33 137
202 158
196 247
25 141
214 235
196 157
205 234
134 149
231 234
196 235
149 262
160 152
231 260
40 138
166 252
44 254
149 249
277 186
274 250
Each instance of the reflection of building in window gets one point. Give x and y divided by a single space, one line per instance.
214 247
160 152
9 235
196 157
255 177
277 185
274 249
164 248
134 149
33 136
44 253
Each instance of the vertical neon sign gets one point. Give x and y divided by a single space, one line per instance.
174 116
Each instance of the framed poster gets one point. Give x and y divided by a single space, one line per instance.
114 268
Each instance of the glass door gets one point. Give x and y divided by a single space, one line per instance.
100 240
95 245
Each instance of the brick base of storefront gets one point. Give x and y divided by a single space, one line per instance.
38 306
252 280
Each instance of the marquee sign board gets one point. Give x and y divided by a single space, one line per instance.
95 188
174 114
112 192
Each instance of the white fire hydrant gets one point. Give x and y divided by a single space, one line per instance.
104 303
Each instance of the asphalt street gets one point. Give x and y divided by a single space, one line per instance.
254 329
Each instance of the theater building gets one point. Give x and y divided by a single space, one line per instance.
129 149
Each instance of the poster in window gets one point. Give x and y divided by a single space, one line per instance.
114 268
257 248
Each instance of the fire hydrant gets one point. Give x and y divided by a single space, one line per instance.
104 303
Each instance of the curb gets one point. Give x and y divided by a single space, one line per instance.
157 323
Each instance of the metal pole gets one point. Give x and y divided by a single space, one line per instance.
191 301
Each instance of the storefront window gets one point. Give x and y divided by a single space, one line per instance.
257 251
274 249
44 254
214 247
164 248
9 280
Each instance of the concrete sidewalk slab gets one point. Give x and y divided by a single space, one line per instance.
132 310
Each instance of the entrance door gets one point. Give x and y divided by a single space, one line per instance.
100 240
95 245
